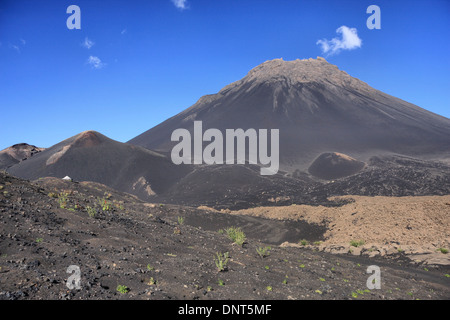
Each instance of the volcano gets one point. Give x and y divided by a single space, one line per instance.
91 156
17 153
318 109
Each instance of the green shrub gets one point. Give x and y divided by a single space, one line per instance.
356 243
221 261
263 252
236 235
91 212
122 289
304 242
62 199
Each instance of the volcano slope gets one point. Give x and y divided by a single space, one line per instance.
116 239
91 156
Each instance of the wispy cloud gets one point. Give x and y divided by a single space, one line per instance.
87 43
14 47
23 41
348 40
123 31
180 4
95 62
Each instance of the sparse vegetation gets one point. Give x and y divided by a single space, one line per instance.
361 292
304 242
104 204
118 205
356 243
145 265
443 250
62 199
263 251
221 261
91 212
122 289
236 235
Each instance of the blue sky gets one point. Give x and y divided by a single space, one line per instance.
133 64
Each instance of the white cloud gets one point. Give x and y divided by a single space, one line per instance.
95 62
23 41
349 40
123 31
13 46
87 43
180 4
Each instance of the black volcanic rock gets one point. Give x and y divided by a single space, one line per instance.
16 153
317 108
333 165
91 156
393 176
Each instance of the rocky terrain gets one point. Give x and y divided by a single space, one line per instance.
375 226
130 249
